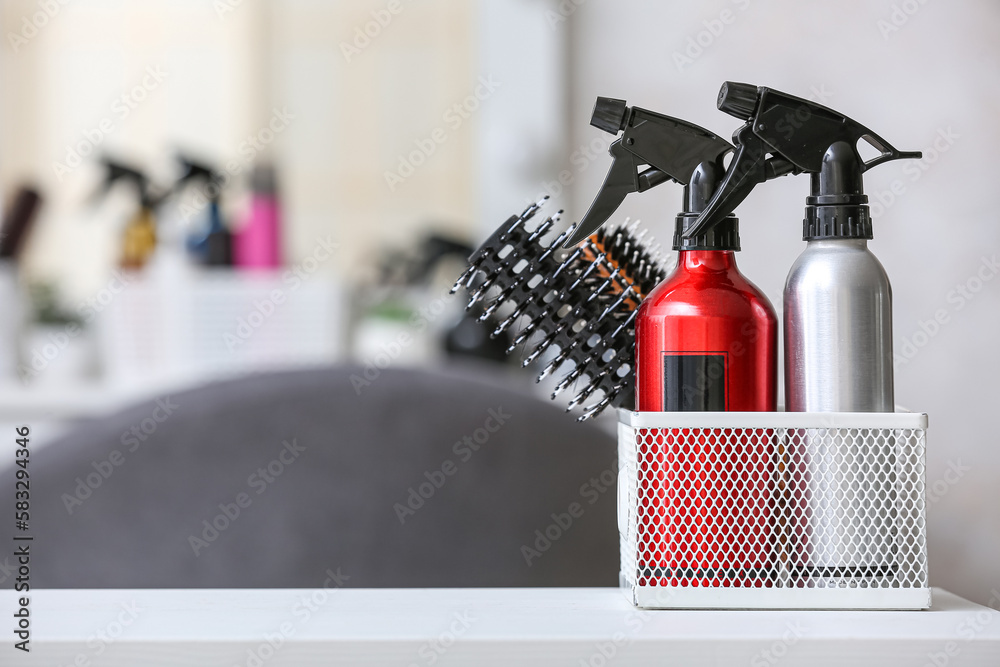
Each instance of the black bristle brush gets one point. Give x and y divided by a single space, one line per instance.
580 301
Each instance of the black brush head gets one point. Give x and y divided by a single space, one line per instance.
581 302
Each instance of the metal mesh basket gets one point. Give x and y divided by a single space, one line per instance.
773 510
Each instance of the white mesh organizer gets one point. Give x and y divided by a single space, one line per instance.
773 510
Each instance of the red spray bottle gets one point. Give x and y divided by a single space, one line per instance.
706 340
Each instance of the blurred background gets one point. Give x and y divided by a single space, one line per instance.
196 190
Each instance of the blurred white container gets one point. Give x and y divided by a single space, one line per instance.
58 355
202 325
12 302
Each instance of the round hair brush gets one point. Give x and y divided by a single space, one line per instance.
580 301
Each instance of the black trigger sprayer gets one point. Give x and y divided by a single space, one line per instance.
212 244
705 341
837 280
139 235
672 150
837 317
704 305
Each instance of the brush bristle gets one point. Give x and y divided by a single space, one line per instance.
581 301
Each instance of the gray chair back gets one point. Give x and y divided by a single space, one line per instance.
410 479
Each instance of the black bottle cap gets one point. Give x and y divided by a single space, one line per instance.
837 207
263 179
836 222
722 236
609 114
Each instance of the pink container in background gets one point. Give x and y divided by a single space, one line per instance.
257 243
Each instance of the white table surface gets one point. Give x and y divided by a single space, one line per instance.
510 627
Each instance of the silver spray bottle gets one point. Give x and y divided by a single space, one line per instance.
837 334
838 358
838 302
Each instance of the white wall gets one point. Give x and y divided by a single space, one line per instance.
937 73
68 78
356 113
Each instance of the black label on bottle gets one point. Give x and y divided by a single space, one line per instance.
694 382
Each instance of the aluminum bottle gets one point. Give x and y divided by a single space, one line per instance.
838 330
706 339
838 358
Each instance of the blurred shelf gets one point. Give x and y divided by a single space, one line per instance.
63 402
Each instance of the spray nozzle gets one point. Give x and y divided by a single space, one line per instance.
652 149
610 115
119 172
738 99
195 171
784 134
